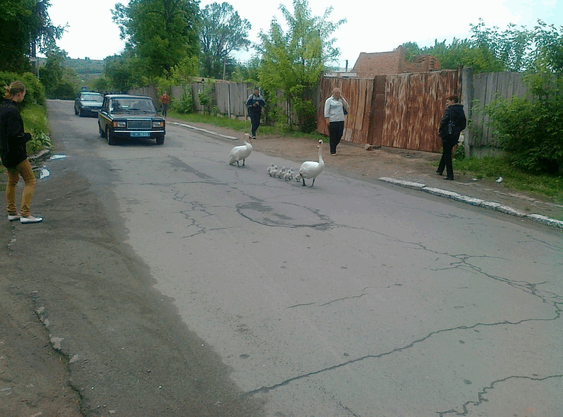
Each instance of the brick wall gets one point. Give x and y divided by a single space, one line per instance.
369 65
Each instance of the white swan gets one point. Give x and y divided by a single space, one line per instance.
240 153
312 169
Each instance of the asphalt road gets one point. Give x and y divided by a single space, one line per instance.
177 285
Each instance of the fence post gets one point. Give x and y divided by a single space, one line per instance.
229 98
467 101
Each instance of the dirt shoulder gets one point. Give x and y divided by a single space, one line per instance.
370 165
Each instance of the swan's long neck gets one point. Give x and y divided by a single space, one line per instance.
320 155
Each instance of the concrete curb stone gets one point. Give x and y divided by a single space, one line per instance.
473 201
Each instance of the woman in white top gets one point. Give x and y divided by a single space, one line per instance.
334 115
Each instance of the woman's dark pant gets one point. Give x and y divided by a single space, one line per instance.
254 123
446 160
335 130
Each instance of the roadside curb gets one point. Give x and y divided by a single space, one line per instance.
473 201
203 130
42 153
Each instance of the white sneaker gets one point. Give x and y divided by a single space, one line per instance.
12 217
31 219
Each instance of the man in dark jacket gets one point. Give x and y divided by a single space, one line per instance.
451 125
14 155
254 104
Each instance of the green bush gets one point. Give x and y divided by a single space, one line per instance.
531 130
35 121
38 142
35 92
205 96
64 91
306 116
186 103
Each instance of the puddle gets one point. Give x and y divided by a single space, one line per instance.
42 173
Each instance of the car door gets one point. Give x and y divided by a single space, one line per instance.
103 116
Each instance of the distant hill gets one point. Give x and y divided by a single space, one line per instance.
86 69
86 66
83 71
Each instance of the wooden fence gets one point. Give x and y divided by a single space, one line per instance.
478 90
400 111
229 97
404 110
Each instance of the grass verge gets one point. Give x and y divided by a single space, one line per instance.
242 125
494 167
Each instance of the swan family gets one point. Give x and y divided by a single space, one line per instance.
308 169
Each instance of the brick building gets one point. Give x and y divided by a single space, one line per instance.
369 65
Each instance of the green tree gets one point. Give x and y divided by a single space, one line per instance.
26 27
549 48
59 81
162 34
43 33
460 53
292 62
222 32
122 72
512 46
488 50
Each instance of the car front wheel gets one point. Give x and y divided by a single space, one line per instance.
160 140
109 136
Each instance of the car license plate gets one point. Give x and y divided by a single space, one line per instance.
140 134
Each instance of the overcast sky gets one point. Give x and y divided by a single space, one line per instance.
371 26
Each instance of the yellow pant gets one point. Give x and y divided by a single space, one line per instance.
23 168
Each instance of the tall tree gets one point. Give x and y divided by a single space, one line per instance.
292 62
222 32
549 47
488 50
161 33
512 47
59 80
26 27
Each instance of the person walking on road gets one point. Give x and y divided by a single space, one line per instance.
451 125
14 155
336 107
165 100
254 104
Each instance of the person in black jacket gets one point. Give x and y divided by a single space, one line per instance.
451 126
254 104
14 155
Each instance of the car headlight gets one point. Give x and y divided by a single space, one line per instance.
119 124
158 123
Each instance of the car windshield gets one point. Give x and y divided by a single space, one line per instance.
132 105
92 97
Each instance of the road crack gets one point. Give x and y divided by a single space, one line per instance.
266 389
481 394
